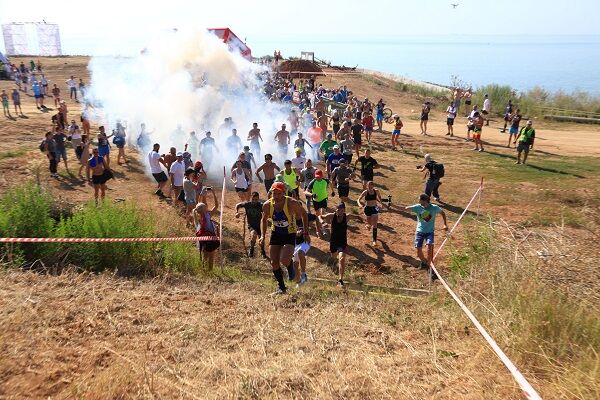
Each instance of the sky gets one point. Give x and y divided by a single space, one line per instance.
100 30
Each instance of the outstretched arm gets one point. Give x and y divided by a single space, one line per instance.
326 218
445 221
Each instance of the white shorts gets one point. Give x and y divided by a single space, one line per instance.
302 247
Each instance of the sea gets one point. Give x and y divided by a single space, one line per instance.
568 63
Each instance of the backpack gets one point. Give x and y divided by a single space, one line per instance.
437 171
42 146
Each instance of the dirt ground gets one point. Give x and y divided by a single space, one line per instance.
80 349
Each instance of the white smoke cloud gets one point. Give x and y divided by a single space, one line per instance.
186 78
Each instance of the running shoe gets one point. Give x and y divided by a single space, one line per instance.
303 278
280 291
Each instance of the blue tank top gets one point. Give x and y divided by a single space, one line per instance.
280 223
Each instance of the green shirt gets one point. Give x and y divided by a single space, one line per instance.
327 147
319 188
527 134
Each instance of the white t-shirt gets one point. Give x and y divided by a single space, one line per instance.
298 163
451 112
153 160
486 105
71 83
178 171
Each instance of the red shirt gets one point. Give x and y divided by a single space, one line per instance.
368 121
314 135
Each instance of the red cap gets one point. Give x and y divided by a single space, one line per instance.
198 164
319 174
280 186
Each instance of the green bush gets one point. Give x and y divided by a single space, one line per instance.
25 212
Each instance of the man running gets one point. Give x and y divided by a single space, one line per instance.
282 211
515 121
525 138
207 149
291 177
315 137
435 172
283 140
338 242
333 160
155 160
326 147
368 122
357 130
367 165
233 143
268 169
255 138
340 176
306 176
317 190
254 210
426 213
300 142
347 147
298 161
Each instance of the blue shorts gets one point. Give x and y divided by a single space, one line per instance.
513 130
396 132
368 129
421 237
379 117
103 150
61 153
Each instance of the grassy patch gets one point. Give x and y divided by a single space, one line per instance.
12 154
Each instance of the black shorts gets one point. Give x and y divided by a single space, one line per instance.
320 204
98 179
367 176
348 158
450 121
160 177
254 228
370 210
334 247
425 117
282 240
268 184
343 191
241 190
208 245
358 142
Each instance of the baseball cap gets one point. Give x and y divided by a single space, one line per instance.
336 147
529 122
298 150
179 154
198 164
319 173
279 186
246 147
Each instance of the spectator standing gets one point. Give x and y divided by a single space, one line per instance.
72 85
526 137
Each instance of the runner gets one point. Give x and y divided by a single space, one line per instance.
508 110
368 121
333 160
206 227
291 177
347 146
435 171
155 160
255 138
326 147
338 242
100 174
357 130
207 149
241 177
379 114
367 165
315 137
193 144
452 111
306 176
515 121
322 119
282 211
300 142
471 122
341 177
526 137
426 213
298 161
425 117
233 144
254 210
283 140
268 169
336 121
371 208
299 259
317 191
478 127
396 132
346 130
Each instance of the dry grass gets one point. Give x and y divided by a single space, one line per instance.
98 337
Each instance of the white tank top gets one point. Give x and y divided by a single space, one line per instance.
240 180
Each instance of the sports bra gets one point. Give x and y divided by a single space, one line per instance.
370 197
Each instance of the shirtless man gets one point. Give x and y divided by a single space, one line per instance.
283 212
283 140
254 137
268 168
97 181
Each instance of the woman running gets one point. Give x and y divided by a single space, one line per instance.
371 208
206 227
241 177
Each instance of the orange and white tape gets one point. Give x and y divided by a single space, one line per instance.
526 387
108 240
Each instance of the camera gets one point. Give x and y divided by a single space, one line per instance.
208 188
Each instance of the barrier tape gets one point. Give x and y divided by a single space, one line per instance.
221 219
109 240
526 387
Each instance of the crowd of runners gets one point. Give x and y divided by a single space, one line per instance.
286 200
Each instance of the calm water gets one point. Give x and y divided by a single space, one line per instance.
553 62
